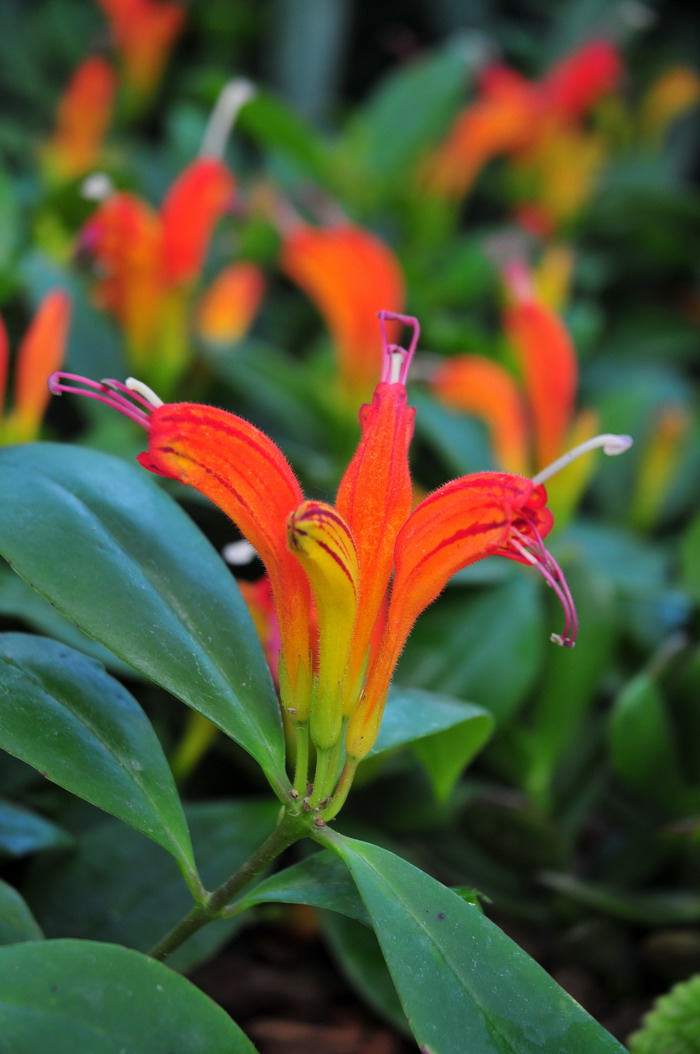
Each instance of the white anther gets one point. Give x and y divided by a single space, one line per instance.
610 444
231 101
142 389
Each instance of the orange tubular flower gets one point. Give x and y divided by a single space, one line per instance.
82 119
144 32
539 126
230 304
40 353
350 275
331 566
541 415
146 263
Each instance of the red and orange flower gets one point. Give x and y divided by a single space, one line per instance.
347 580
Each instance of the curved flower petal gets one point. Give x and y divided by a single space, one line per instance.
242 471
460 523
480 386
576 83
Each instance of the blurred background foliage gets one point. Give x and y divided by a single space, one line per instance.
580 820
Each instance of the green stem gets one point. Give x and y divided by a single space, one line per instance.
342 790
289 830
327 762
301 770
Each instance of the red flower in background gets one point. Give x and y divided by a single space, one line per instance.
144 32
82 118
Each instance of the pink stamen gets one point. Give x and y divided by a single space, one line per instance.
113 393
533 550
389 373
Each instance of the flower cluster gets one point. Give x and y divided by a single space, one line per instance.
347 580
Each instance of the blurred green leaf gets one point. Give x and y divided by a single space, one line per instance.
23 832
650 907
360 958
690 558
67 996
444 733
274 126
486 646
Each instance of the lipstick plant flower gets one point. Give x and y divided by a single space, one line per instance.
146 264
144 32
347 580
40 353
82 118
540 127
350 275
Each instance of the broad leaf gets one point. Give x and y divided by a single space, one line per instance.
94 738
463 984
444 733
16 920
321 881
117 556
67 996
23 832
117 886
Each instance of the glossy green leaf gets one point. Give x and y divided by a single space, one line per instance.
23 831
483 646
321 881
166 603
117 886
359 956
71 996
94 738
16 920
463 984
19 601
445 734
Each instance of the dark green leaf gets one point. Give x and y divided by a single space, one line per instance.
117 886
63 714
267 120
322 881
445 734
23 831
16 920
136 574
72 996
690 558
463 984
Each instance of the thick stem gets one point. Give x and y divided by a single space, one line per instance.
327 762
288 831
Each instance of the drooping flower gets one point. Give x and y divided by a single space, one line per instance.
82 118
144 32
146 263
40 354
357 573
230 304
350 275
